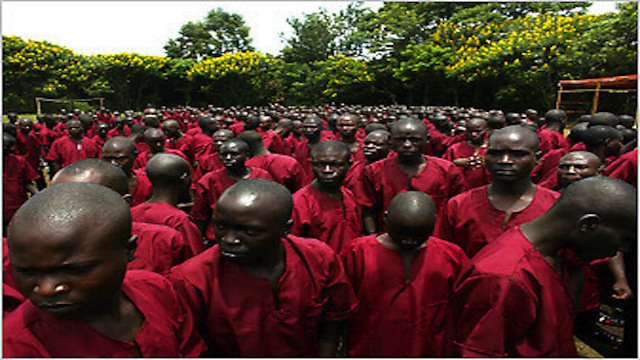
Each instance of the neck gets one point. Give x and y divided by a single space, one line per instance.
169 195
411 161
546 236
268 262
239 172
514 189
261 151
333 191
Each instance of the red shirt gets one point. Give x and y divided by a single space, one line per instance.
28 146
625 168
143 190
47 137
184 145
550 140
31 332
11 296
354 175
396 318
548 165
471 221
206 164
65 151
126 132
476 176
208 190
320 216
273 142
16 174
236 311
285 170
201 144
383 180
143 158
159 248
165 214
98 140
511 302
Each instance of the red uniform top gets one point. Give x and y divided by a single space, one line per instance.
238 315
237 128
184 145
320 216
28 146
471 221
143 158
511 302
292 142
31 332
143 190
625 168
165 214
285 170
11 296
273 142
397 318
476 176
201 144
208 190
16 174
66 151
207 163
303 153
98 140
548 165
47 137
126 132
383 179
354 175
159 248
550 183
550 140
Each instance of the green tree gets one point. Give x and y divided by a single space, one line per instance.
217 34
313 38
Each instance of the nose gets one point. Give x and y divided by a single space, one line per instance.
571 169
49 287
230 238
505 158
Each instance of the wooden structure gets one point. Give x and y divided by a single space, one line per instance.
71 102
625 84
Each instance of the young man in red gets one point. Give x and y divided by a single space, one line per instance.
170 176
211 161
477 217
375 147
284 169
233 155
515 298
409 170
121 152
325 209
81 300
403 279
18 180
155 140
469 155
71 148
260 292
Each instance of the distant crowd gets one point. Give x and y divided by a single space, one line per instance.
338 230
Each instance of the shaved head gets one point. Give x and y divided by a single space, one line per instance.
519 132
120 144
250 193
410 219
413 123
167 169
330 145
93 171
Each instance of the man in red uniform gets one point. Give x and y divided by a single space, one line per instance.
572 167
202 142
374 148
552 136
284 169
326 210
211 161
403 279
120 128
233 155
347 127
158 247
625 168
170 176
409 170
177 140
71 148
313 133
272 141
29 145
101 134
82 301
514 300
121 152
469 155
18 180
260 292
477 217
154 138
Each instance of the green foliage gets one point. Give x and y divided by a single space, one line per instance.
217 34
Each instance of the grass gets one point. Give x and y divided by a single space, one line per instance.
20 116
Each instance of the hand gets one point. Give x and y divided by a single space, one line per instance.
621 290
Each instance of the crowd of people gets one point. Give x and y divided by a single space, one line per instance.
292 231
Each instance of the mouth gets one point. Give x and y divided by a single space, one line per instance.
58 309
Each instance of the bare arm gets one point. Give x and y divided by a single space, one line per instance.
328 337
621 289
369 220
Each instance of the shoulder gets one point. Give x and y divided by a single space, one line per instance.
546 195
446 248
433 161
474 195
309 247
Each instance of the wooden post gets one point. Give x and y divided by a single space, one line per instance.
559 98
596 98
38 109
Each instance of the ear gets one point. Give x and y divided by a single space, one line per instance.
128 198
538 155
600 170
588 222
287 227
132 245
385 215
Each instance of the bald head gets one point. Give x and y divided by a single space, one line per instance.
68 207
410 219
251 138
516 132
598 135
603 118
327 146
93 171
120 144
555 116
168 170
409 123
253 193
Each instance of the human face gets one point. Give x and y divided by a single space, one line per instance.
613 146
475 132
102 130
347 127
219 139
75 129
25 126
330 167
232 157
171 129
409 233
265 122
119 158
375 147
574 168
408 141
510 157
69 273
247 228
155 140
311 129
